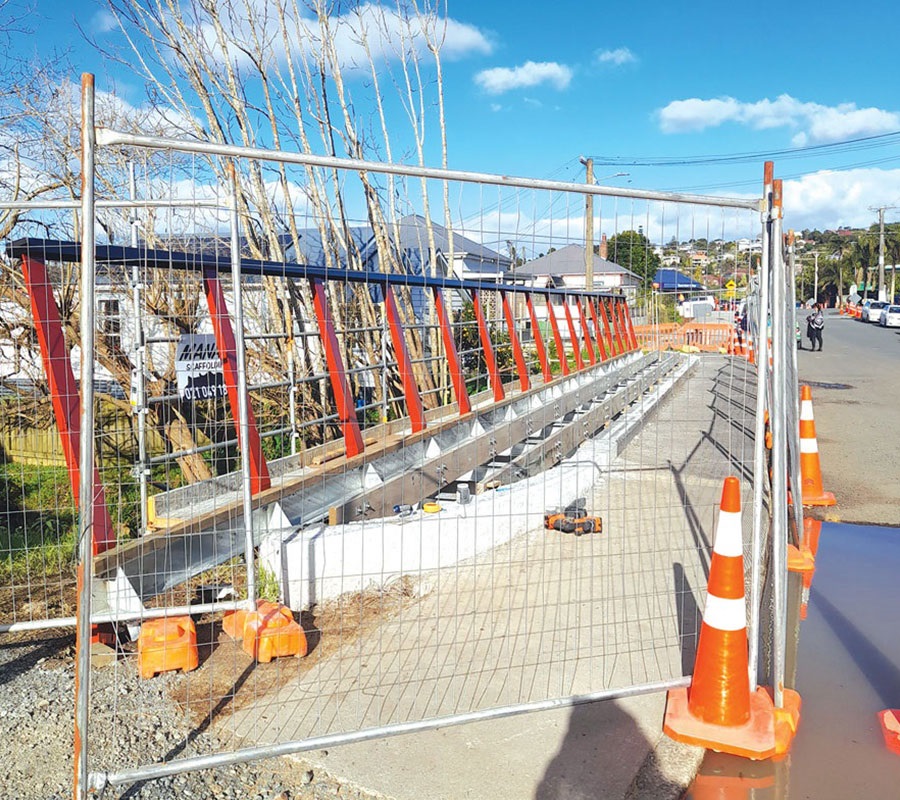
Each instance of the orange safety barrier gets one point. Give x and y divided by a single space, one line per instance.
662 337
165 644
719 711
266 633
712 337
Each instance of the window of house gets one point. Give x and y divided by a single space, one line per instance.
110 322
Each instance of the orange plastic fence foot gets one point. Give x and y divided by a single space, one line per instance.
267 633
165 644
787 720
800 559
890 727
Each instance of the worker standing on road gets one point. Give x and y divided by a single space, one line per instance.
815 323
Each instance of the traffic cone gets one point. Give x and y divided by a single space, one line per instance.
718 711
750 355
812 491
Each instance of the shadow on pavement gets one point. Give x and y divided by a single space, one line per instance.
600 757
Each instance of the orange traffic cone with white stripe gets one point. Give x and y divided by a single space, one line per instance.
719 711
812 491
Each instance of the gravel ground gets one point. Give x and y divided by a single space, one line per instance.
37 684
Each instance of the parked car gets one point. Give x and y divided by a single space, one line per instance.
872 311
890 317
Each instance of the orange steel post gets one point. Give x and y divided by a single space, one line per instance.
586 331
518 355
538 340
597 333
573 336
629 326
227 347
557 338
611 345
617 324
488 348
456 375
353 443
64 392
404 363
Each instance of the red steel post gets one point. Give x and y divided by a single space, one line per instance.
573 336
64 392
518 355
586 331
597 332
404 363
618 325
557 338
539 340
227 347
611 345
456 374
488 348
629 326
353 442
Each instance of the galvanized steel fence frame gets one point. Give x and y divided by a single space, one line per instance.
777 392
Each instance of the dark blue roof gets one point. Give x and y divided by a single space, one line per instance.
671 280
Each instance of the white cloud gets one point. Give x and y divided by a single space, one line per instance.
387 33
828 199
104 22
814 123
617 57
495 107
503 79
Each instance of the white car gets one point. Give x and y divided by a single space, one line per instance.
872 311
890 317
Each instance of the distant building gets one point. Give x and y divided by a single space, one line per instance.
565 268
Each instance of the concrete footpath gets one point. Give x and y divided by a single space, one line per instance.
546 615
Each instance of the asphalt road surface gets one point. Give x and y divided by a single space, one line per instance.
855 383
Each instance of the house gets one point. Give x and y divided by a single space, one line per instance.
671 280
415 247
565 268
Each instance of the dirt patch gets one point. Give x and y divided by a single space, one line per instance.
228 678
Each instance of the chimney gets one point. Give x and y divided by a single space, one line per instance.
603 249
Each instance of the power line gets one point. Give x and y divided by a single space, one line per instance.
847 145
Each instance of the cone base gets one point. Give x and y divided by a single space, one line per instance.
890 727
759 738
824 499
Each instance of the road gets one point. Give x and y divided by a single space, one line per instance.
856 386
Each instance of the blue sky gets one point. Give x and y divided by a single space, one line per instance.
530 87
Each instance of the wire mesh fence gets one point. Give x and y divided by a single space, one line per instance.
463 482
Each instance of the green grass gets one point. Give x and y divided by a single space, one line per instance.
38 522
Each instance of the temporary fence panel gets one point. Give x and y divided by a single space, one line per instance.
368 417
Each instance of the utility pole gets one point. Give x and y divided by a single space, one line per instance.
882 288
588 225
816 279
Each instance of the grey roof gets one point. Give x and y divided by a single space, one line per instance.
568 260
411 233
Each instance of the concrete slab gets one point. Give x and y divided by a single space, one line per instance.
543 615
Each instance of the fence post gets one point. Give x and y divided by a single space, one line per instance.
86 448
254 473
760 476
779 418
